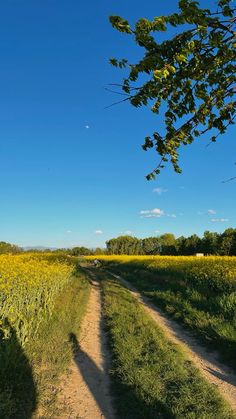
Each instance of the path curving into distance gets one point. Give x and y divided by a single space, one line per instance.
207 362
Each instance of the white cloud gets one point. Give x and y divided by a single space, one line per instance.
69 231
159 190
211 211
126 233
157 231
219 220
98 232
155 212
87 126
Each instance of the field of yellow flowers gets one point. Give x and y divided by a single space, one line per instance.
211 272
42 300
28 286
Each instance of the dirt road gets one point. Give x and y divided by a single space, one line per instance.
85 391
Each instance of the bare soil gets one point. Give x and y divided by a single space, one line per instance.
85 391
207 362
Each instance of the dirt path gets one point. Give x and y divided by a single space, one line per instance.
207 362
85 391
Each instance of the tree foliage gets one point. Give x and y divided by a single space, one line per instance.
192 74
124 245
9 248
80 251
210 244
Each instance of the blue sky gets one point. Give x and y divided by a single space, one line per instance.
72 171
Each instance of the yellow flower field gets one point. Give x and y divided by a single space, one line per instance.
28 286
220 271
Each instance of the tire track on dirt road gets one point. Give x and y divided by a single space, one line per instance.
85 392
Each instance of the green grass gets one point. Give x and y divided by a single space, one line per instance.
151 377
29 377
210 312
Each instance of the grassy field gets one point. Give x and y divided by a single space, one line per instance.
199 292
151 377
42 303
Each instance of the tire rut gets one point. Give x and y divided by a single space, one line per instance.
85 391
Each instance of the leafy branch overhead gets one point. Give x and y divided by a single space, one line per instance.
192 74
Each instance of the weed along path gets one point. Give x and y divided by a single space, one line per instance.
85 392
207 362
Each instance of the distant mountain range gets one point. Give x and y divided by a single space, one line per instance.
38 248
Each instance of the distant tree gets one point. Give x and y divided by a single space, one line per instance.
190 76
81 251
151 246
99 251
127 245
9 248
168 244
210 243
180 245
228 242
233 248
192 245
112 246
62 250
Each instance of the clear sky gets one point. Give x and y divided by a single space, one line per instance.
72 171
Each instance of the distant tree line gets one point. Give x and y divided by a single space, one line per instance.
9 248
210 244
167 244
81 251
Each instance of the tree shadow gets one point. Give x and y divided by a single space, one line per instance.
92 375
222 376
17 388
